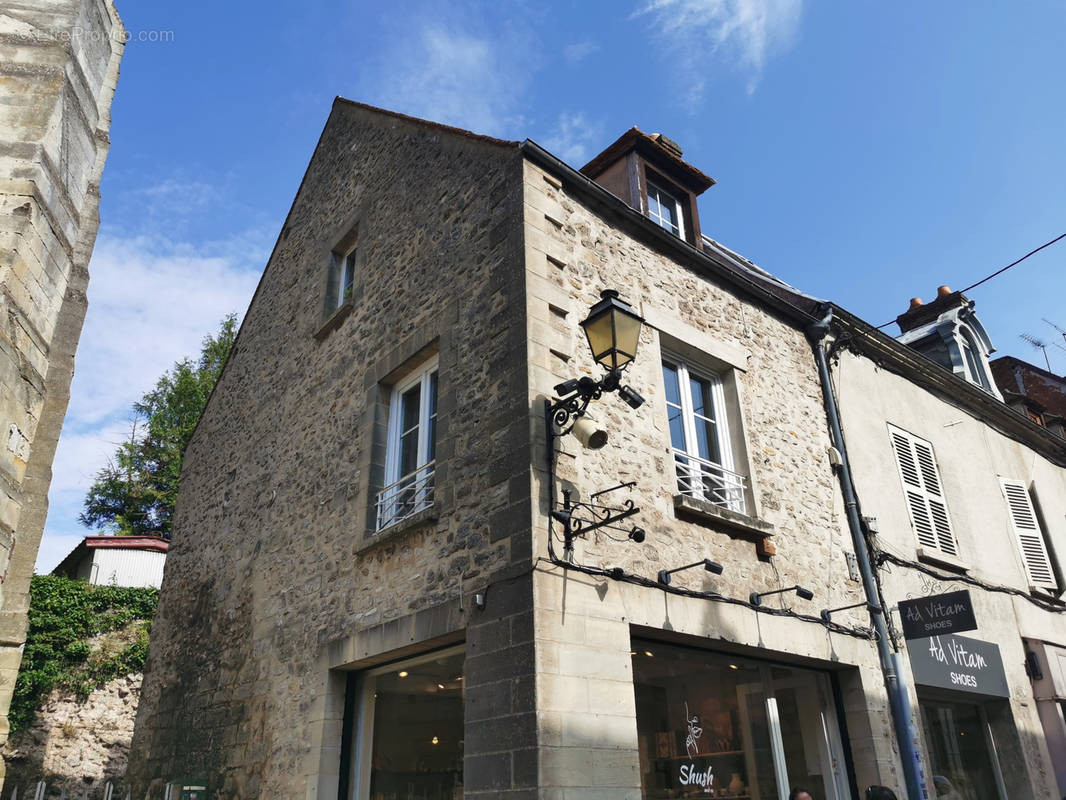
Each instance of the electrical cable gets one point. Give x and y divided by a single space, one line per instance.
1046 605
998 271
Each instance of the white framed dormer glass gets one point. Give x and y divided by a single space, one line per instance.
665 210
410 454
699 435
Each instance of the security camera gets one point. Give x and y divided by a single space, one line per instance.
633 399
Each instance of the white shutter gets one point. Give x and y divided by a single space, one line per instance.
921 486
1030 537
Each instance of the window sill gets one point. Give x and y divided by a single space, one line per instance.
424 518
734 523
942 560
334 320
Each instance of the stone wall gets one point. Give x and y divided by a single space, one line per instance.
273 579
76 745
59 62
586 712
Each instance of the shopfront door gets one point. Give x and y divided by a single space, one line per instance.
962 755
714 725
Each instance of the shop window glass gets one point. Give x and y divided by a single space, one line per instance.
717 726
962 762
410 731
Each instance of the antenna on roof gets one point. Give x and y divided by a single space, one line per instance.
1037 343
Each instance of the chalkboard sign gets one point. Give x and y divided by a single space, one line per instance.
956 662
937 614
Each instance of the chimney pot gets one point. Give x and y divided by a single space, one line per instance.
943 291
915 303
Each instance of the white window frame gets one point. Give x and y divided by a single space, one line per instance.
1031 538
345 277
363 741
923 492
393 499
658 219
733 497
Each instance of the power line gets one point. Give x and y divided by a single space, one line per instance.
998 271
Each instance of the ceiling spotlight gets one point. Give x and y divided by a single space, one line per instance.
707 564
755 598
402 673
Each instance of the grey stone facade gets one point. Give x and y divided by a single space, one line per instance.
487 255
59 60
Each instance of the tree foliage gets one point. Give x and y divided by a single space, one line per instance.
65 615
134 494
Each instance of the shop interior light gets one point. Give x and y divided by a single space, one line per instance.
755 598
649 654
434 740
710 566
402 673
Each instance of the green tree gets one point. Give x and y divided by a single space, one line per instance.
134 494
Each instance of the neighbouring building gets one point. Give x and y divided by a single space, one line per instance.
119 560
396 572
1030 390
59 61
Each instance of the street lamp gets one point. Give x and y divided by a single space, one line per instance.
613 332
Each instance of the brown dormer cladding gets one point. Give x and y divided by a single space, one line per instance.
626 165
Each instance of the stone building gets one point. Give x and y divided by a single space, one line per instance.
397 573
59 62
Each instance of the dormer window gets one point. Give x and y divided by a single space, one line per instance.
665 210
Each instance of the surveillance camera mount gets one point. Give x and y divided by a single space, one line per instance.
579 519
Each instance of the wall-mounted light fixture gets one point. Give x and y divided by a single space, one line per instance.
710 566
613 331
755 598
828 612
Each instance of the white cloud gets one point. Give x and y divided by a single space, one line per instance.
151 302
456 77
572 137
749 31
579 51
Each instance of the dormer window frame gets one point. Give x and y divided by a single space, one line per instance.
656 209
652 180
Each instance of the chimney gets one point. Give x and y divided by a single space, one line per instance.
668 144
921 313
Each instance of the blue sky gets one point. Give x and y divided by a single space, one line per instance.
864 152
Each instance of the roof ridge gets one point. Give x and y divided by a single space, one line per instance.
427 122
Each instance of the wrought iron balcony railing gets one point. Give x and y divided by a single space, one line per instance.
406 497
705 480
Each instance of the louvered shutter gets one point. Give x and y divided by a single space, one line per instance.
925 498
1030 537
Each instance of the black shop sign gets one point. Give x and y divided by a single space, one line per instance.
956 662
937 614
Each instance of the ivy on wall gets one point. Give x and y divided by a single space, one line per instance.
80 636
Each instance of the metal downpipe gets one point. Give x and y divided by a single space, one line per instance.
898 700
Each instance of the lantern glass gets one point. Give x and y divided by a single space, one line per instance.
613 331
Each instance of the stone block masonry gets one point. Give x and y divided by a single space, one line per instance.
59 64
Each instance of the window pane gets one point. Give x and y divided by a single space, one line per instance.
410 405
701 725
431 434
707 441
418 731
673 393
408 452
677 427
702 403
348 277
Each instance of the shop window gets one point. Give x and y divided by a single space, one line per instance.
924 492
410 457
1031 539
712 725
959 745
699 435
408 742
